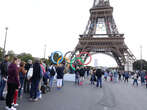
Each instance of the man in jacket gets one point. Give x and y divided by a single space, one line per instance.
99 78
4 74
26 81
35 80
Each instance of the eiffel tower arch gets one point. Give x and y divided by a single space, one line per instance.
102 36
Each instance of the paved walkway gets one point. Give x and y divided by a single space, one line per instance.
113 96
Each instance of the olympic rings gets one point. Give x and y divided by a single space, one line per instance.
66 59
75 61
68 53
52 57
87 53
72 55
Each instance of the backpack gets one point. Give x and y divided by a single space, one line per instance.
52 72
1 66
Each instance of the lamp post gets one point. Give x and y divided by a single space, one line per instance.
5 41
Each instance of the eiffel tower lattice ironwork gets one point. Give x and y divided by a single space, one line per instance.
101 35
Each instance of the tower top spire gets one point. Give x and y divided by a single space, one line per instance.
101 3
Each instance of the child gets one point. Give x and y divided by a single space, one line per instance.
105 75
111 76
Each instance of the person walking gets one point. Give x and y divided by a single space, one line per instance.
123 74
119 75
12 83
135 77
99 78
126 77
111 76
115 76
105 75
77 75
4 74
142 75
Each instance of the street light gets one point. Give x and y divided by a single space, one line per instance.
5 41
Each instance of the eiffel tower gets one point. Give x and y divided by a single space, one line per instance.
101 35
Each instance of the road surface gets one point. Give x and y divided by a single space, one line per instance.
113 96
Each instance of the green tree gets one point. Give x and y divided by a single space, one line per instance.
1 54
25 57
138 63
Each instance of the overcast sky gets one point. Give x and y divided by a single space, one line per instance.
58 23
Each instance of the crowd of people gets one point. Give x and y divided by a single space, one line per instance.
96 76
34 78
114 75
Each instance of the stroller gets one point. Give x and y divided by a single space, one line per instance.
45 88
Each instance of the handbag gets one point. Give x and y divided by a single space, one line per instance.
30 73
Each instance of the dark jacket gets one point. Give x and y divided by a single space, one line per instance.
77 73
13 74
27 67
99 73
82 72
37 72
4 68
60 72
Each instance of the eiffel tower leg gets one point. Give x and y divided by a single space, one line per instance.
92 27
107 25
113 26
87 27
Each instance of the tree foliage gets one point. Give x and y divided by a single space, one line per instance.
138 63
25 57
1 53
